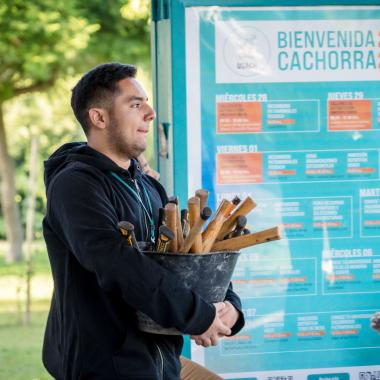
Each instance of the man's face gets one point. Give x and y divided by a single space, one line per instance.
130 117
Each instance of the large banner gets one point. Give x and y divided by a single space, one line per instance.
283 105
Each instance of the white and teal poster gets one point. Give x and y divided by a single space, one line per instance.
283 105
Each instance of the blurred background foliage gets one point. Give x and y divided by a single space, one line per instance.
45 46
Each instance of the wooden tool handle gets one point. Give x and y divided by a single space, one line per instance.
179 227
193 205
171 222
242 208
174 199
211 232
196 231
245 241
202 194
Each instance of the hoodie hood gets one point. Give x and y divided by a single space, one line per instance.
81 152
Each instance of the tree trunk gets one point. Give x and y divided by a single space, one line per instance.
32 185
9 207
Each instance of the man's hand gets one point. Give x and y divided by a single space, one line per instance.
229 315
146 169
217 329
375 321
151 172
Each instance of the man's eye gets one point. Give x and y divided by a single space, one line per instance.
136 105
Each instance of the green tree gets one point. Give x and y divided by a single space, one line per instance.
124 31
38 42
44 40
47 115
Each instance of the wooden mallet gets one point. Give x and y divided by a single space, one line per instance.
243 208
127 229
202 194
244 241
193 205
165 235
212 230
196 231
171 223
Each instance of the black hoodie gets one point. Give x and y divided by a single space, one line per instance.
100 282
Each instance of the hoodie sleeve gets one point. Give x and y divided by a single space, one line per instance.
232 297
81 213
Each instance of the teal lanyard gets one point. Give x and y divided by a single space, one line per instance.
149 213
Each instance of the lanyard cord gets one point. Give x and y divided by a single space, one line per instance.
149 213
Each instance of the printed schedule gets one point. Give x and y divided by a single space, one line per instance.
290 116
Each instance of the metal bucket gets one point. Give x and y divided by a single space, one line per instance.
208 275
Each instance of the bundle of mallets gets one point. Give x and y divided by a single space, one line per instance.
182 231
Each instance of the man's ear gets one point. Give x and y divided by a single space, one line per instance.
98 117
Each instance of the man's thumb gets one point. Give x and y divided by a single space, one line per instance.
219 306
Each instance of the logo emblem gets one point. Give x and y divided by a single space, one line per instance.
246 52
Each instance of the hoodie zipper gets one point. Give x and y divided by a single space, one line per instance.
161 361
145 221
147 214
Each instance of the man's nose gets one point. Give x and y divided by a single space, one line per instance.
150 114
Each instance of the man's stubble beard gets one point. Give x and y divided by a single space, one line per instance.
118 145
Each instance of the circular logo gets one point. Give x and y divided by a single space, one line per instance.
246 51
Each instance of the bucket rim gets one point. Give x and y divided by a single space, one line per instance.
192 254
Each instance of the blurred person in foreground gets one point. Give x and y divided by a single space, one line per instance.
375 321
99 280
146 168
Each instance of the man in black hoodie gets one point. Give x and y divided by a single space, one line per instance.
100 281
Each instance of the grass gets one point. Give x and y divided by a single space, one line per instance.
20 346
40 261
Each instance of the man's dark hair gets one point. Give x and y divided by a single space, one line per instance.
97 88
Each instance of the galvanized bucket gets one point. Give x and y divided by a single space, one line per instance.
208 275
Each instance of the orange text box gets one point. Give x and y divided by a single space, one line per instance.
348 115
372 222
277 335
238 168
345 332
311 333
238 117
281 122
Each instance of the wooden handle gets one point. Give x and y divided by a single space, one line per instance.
193 205
202 194
196 231
211 232
245 241
174 199
179 227
242 208
171 222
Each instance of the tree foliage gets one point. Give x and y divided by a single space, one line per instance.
39 41
44 45
123 34
42 40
